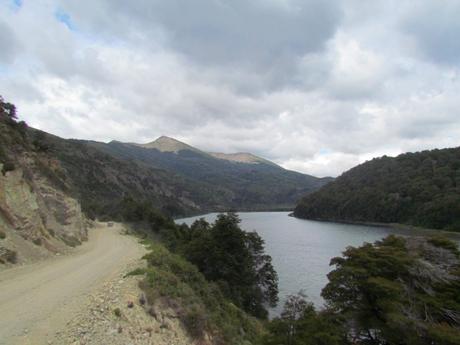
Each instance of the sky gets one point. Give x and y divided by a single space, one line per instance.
317 86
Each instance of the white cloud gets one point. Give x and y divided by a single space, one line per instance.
316 86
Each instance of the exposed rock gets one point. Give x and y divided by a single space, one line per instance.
39 212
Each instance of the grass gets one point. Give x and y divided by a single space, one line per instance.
200 305
136 272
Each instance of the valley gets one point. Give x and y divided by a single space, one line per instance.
216 172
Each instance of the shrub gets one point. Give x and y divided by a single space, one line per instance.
2 235
7 255
136 272
8 166
117 312
37 241
194 321
442 242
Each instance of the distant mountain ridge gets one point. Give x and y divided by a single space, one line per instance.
239 181
171 176
421 189
168 144
166 174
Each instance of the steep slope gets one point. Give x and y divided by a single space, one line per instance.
242 157
255 184
102 181
38 216
421 189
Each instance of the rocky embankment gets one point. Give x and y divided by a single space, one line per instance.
36 218
118 315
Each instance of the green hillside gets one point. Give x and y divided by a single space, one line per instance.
177 182
421 189
253 185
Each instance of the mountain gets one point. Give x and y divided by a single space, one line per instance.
228 181
169 175
166 144
420 189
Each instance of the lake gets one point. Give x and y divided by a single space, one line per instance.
302 249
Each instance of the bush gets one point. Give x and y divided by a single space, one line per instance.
117 312
37 241
194 321
2 235
136 272
7 255
8 166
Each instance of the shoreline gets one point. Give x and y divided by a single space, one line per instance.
396 226
286 209
408 230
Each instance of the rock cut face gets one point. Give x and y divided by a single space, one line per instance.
36 218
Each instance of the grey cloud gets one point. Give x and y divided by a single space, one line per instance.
8 43
435 27
267 39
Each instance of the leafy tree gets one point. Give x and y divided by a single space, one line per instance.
398 291
235 260
7 109
301 324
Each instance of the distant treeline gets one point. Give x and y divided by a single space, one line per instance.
420 189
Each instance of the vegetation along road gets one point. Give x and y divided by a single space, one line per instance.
38 300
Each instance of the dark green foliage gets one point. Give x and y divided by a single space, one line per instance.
301 324
398 291
199 304
2 235
39 142
8 166
144 211
136 272
421 189
220 185
7 110
102 182
232 258
117 312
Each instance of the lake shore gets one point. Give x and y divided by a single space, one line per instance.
397 226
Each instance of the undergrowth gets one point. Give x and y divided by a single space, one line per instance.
200 305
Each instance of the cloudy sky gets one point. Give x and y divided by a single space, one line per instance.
317 86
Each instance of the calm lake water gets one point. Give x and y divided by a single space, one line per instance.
302 249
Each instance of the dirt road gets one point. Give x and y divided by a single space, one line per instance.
38 300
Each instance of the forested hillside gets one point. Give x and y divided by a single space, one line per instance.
421 189
178 182
253 185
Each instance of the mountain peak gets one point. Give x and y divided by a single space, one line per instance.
168 144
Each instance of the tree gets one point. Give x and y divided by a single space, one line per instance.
7 109
398 291
301 324
235 260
